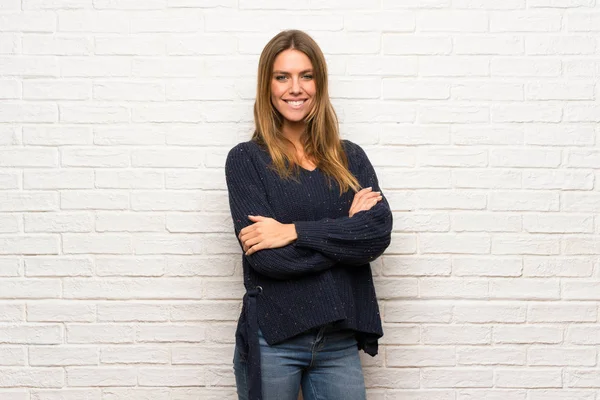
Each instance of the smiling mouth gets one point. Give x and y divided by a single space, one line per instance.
295 103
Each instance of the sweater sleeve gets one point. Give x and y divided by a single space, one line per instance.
247 196
354 240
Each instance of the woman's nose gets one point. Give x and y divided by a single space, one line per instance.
295 88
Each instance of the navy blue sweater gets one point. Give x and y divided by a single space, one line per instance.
322 277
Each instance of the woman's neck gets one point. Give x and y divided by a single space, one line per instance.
293 131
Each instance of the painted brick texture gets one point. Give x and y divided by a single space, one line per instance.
120 276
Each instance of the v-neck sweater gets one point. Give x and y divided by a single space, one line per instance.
324 276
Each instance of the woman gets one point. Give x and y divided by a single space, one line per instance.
309 217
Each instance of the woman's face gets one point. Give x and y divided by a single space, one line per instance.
292 85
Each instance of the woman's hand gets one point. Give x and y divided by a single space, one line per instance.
364 200
266 233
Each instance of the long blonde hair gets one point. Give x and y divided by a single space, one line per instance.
321 140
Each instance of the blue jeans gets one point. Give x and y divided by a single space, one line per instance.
324 363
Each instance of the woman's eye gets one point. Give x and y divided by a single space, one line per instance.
280 77
308 76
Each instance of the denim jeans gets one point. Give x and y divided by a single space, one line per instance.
324 363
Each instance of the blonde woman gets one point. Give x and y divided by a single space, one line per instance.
309 216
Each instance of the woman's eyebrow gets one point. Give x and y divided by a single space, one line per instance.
287 73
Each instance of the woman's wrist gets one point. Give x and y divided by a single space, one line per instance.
292 235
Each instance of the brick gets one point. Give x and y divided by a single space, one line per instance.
559 356
526 21
137 178
129 91
492 394
28 21
534 244
572 223
203 44
56 4
58 266
421 222
31 377
390 21
493 356
544 266
97 66
136 393
559 313
559 91
400 334
528 378
133 312
392 378
416 45
484 266
10 89
487 178
28 65
434 114
525 67
416 266
30 157
101 376
457 377
58 222
96 21
561 394
576 245
56 90
580 290
559 45
169 20
12 356
450 65
172 377
94 200
527 334
414 312
60 312
421 356
431 243
29 244
170 333
31 334
66 394
488 91
129 222
523 201
557 179
47 356
11 312
453 288
582 334
99 333
9 223
132 288
93 114
9 180
489 45
206 311
55 44
480 312
91 243
180 67
53 135
135 355
133 45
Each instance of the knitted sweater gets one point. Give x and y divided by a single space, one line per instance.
322 277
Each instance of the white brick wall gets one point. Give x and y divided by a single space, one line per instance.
120 278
